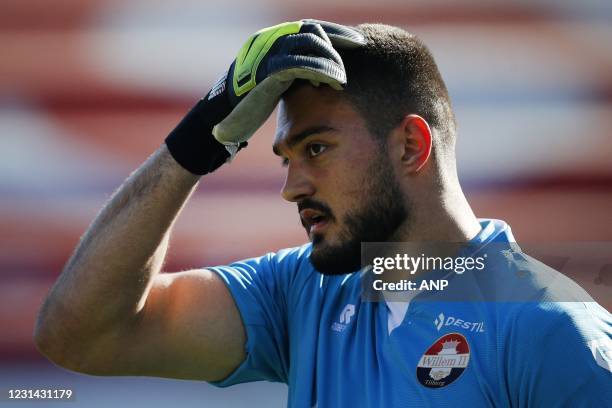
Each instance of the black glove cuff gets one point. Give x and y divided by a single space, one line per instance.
192 144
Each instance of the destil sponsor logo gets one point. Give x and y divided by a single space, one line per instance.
444 321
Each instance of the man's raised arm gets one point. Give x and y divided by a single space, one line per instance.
112 312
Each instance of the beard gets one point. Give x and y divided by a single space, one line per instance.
382 212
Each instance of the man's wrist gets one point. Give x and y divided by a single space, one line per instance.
192 144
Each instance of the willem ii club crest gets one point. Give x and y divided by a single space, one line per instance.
444 361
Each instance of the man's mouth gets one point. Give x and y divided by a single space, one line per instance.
314 221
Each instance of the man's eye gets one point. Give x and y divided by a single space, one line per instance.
316 149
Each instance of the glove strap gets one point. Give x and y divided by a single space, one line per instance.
192 144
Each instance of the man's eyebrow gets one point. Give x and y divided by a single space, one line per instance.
298 137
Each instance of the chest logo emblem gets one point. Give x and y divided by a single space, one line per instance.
345 318
444 361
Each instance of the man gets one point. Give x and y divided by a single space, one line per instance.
367 134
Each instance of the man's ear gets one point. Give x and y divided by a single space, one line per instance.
414 136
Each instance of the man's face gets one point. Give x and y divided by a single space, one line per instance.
338 175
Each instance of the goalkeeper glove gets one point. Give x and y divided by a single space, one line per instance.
245 96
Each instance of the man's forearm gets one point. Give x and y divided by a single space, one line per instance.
104 283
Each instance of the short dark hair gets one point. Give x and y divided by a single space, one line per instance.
393 75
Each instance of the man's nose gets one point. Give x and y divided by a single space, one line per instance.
297 184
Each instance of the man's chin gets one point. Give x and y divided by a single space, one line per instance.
335 260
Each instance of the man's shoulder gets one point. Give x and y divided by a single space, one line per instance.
287 258
515 276
291 265
293 254
291 261
530 296
541 301
280 267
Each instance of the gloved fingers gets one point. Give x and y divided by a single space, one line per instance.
315 77
251 112
314 28
341 36
323 70
307 44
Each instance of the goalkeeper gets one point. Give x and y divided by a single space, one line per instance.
367 135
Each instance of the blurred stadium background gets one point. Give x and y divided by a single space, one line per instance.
89 88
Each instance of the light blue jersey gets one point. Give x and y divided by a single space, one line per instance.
315 333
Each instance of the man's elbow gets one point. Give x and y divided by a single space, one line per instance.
74 350
48 343
57 347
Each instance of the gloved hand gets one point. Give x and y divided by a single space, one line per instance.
243 98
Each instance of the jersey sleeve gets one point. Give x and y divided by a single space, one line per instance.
259 292
562 356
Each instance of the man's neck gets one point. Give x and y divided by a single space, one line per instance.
435 231
448 218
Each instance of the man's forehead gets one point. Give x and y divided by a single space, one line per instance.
283 123
289 140
289 123
308 108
